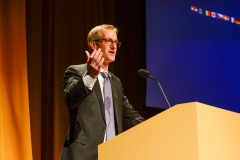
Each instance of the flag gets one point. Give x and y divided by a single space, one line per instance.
213 14
234 20
222 17
208 13
194 9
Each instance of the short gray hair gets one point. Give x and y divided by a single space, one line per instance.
95 33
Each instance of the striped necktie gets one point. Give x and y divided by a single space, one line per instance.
108 105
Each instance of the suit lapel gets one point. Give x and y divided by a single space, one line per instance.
114 84
98 92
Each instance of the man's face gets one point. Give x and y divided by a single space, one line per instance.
109 51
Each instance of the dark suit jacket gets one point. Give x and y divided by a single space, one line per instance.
87 116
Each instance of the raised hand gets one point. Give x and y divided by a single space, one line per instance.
94 62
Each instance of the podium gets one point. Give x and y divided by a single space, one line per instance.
190 131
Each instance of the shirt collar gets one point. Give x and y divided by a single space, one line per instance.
101 70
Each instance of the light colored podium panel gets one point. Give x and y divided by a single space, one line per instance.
191 131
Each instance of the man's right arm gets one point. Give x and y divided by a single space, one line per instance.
76 83
74 87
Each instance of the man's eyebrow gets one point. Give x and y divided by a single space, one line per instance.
111 39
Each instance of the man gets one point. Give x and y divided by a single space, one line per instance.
98 109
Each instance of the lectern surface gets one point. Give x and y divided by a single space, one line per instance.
190 131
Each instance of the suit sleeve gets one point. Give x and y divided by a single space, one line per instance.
130 116
74 88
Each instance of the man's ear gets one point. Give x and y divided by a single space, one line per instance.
93 45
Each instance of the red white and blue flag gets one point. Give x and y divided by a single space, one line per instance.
222 17
194 9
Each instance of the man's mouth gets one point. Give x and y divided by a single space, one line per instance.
112 52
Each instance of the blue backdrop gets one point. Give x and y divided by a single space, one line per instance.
193 49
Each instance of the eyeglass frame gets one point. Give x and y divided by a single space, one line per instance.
118 43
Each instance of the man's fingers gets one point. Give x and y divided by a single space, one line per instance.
101 62
87 56
97 53
99 57
95 62
93 54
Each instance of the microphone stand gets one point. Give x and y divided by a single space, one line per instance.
145 74
161 90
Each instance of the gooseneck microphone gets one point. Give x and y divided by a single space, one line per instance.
145 74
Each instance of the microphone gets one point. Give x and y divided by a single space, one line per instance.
145 74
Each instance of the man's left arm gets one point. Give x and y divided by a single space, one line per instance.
130 116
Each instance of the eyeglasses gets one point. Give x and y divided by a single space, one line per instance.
109 42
